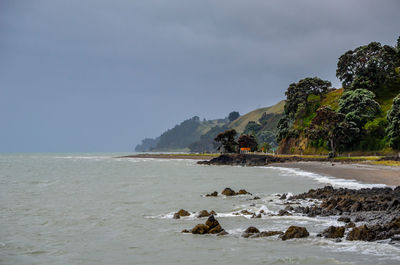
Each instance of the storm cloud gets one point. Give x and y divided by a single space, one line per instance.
99 75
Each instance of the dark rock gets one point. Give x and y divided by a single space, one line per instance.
250 231
180 213
284 213
361 233
200 229
295 232
256 215
243 192
344 219
283 197
176 216
222 233
185 231
350 225
213 194
203 213
256 198
228 192
334 232
338 240
245 212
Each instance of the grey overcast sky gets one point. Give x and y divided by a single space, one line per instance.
100 75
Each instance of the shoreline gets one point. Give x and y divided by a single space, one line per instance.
364 173
173 156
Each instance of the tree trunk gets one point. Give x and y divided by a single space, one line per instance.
333 146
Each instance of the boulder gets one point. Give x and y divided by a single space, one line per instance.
222 233
214 225
295 232
243 192
344 219
270 233
334 232
203 213
228 192
245 212
350 225
180 213
250 231
284 213
213 194
200 229
361 233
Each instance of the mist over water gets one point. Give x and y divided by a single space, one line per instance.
96 209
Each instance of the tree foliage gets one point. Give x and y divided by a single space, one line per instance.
368 66
252 128
227 141
233 115
359 106
297 93
393 129
331 126
249 141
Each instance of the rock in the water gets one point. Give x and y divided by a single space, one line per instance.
228 192
245 212
214 225
250 231
270 233
361 233
200 229
295 232
222 233
344 219
284 213
334 232
180 213
243 192
283 197
350 225
203 213
185 231
213 194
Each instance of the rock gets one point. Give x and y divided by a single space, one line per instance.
350 225
180 213
200 229
228 192
344 219
283 197
222 233
334 232
213 194
213 212
256 198
214 225
338 240
245 212
185 231
289 208
203 213
270 233
243 192
295 232
361 233
250 231
284 213
256 215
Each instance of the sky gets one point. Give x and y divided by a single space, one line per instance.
100 75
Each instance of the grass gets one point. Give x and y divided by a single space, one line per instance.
332 99
391 163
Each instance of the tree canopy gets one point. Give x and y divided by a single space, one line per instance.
249 141
227 141
233 115
368 66
359 106
393 129
331 126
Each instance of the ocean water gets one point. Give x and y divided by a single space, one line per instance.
96 209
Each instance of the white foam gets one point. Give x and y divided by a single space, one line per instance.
335 182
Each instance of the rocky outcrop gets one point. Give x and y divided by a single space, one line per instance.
250 231
295 232
253 232
231 192
211 226
212 194
180 213
334 232
205 213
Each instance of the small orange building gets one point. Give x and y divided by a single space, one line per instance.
244 150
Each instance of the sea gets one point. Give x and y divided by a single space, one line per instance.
99 209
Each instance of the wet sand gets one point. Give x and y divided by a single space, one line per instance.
361 172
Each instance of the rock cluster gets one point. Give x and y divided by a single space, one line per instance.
181 213
379 208
211 226
253 232
295 232
230 192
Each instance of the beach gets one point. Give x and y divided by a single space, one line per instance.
365 173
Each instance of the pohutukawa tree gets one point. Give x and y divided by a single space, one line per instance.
393 129
331 126
368 66
248 141
227 141
359 106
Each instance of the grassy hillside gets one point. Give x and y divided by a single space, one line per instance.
240 123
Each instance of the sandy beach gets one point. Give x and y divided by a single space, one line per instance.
362 172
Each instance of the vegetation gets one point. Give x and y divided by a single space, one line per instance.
233 115
227 141
248 141
354 119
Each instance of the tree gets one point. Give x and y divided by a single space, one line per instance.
233 115
252 128
297 93
332 127
248 141
227 140
359 106
393 129
266 147
283 127
367 67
